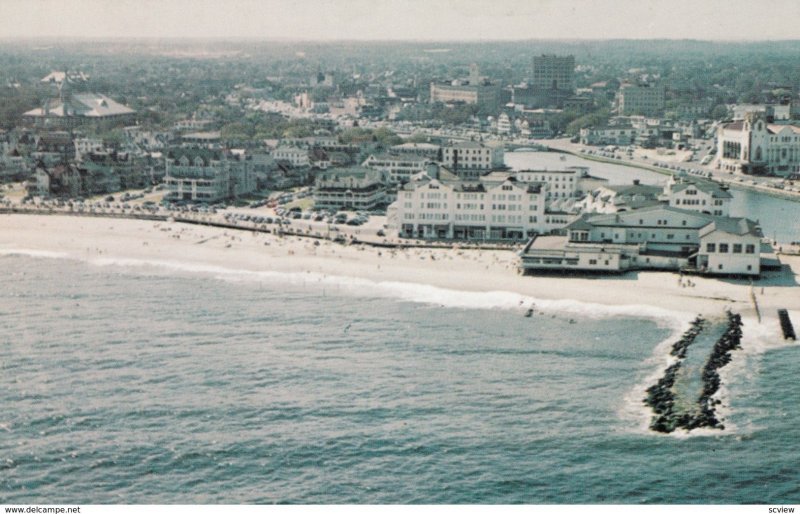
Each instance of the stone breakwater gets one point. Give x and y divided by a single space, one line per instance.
720 356
661 396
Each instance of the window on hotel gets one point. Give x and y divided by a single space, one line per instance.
723 248
711 248
750 249
737 248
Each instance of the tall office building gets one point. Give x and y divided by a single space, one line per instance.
554 72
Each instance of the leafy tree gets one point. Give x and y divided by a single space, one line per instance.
719 112
588 120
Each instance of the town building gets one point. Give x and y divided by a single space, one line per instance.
504 125
658 237
620 198
475 90
695 195
354 188
754 146
570 182
680 191
86 145
396 168
73 109
205 139
56 144
774 113
427 150
486 209
619 135
205 175
647 100
296 157
470 159
60 180
554 72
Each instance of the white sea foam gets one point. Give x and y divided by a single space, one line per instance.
44 254
412 292
757 338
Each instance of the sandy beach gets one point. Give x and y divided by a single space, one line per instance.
195 247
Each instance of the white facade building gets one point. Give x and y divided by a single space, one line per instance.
349 189
773 111
395 168
609 135
472 210
504 124
85 145
706 197
754 146
608 199
469 159
297 157
647 100
427 150
658 237
207 175
567 183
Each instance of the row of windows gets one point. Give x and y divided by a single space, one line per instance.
725 247
661 222
470 217
438 216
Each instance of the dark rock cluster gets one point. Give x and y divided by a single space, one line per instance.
720 356
661 396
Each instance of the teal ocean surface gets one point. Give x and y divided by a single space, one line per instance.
141 384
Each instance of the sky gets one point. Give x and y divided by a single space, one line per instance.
440 20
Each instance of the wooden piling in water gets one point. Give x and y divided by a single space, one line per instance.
786 325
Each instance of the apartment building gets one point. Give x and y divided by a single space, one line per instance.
355 188
647 100
554 72
205 175
470 159
396 168
296 157
487 209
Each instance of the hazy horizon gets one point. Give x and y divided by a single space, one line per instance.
410 20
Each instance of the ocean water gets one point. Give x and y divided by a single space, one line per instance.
131 382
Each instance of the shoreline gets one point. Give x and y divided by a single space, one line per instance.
461 270
769 191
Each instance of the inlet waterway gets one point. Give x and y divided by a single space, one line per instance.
779 217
